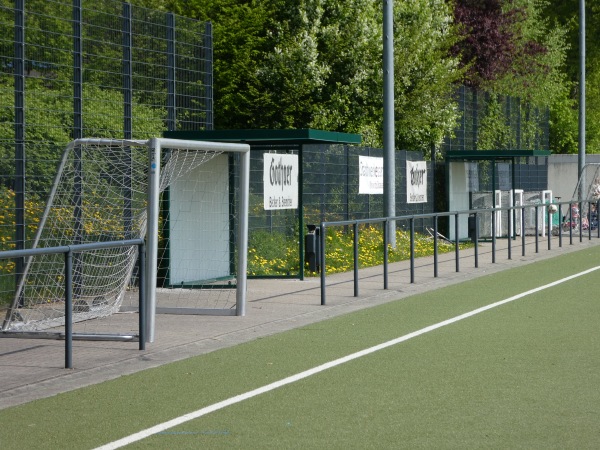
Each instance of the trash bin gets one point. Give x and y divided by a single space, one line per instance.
472 226
312 248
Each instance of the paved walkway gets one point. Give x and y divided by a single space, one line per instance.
34 368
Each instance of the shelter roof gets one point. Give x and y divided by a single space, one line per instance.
269 137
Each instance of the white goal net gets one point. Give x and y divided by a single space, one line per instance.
189 199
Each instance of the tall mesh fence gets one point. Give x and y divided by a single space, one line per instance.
330 192
77 69
524 126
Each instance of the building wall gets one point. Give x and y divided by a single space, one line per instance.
563 174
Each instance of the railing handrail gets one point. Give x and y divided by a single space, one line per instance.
68 251
411 218
76 248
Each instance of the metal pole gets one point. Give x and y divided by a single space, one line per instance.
476 249
242 268
152 234
20 151
355 234
69 310
385 253
322 264
142 295
493 236
389 162
171 89
456 243
435 246
581 158
127 71
523 229
509 237
412 249
537 230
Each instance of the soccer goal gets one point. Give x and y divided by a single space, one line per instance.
188 199
588 183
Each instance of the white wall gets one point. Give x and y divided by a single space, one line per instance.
563 174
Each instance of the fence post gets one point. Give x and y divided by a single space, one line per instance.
171 91
20 151
127 72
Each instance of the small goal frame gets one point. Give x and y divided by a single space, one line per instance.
149 199
155 146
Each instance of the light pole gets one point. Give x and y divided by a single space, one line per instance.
581 157
389 162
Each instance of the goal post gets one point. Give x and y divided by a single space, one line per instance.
115 189
156 147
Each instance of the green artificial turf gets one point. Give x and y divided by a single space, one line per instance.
523 375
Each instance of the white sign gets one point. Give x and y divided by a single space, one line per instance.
280 181
370 175
416 182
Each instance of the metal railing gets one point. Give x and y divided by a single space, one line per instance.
572 229
69 335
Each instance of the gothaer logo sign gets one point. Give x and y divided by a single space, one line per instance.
416 182
280 181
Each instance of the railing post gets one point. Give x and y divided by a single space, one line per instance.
508 235
598 217
435 246
549 222
322 264
142 295
570 224
560 224
589 218
580 222
493 236
476 249
523 240
412 249
537 224
456 243
69 309
355 234
385 253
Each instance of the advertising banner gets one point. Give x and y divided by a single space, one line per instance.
370 175
280 181
416 182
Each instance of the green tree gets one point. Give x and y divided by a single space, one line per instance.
565 14
510 48
318 63
426 75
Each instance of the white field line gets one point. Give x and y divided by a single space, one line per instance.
315 370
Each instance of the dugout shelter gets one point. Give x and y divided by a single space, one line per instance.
479 179
276 220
